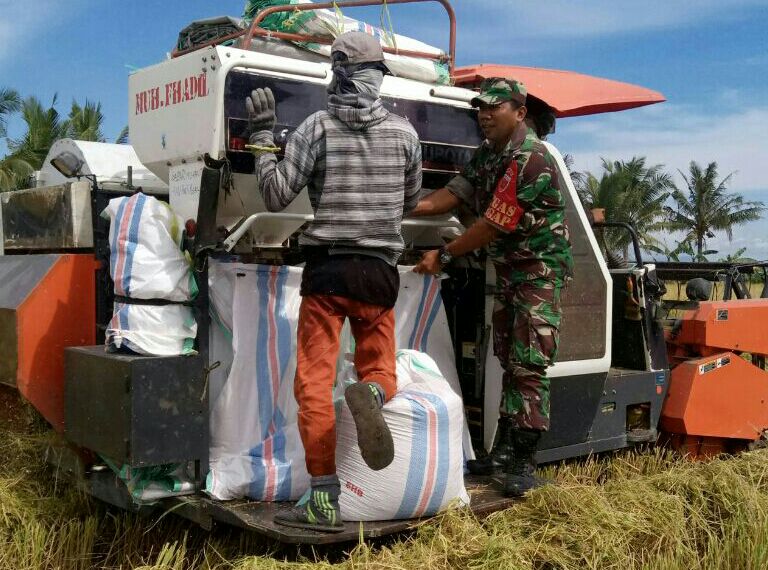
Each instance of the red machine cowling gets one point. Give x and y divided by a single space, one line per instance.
718 393
47 302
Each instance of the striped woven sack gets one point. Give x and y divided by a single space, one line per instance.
256 450
426 419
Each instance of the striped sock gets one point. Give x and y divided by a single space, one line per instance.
324 503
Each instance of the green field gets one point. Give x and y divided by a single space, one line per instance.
647 509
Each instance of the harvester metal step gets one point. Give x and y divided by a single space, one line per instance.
486 497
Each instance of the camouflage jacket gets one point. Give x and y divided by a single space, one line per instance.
518 191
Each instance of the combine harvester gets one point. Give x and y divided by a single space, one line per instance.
611 388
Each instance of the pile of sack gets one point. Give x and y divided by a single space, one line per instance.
319 23
256 450
153 286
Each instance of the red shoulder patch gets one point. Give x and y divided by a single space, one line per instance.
504 212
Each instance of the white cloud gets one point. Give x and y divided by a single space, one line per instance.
566 18
24 22
674 135
494 30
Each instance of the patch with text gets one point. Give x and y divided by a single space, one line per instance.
504 211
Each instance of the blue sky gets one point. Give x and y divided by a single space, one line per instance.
708 57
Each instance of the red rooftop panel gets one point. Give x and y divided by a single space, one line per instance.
570 94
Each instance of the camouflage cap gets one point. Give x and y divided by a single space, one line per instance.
495 90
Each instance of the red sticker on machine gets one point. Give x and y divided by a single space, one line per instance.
504 211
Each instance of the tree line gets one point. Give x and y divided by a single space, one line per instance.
43 126
647 197
629 191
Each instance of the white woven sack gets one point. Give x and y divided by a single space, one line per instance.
330 24
426 419
422 325
258 305
146 262
221 289
167 330
255 449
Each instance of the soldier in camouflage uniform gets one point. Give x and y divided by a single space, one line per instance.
512 183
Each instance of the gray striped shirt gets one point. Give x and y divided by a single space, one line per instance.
361 165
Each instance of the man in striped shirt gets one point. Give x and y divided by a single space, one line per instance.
361 165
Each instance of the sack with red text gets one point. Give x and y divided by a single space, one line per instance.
426 418
421 324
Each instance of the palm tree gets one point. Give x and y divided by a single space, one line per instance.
13 169
14 172
9 103
44 126
84 123
629 192
123 137
578 178
708 207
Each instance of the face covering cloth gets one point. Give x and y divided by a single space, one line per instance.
363 81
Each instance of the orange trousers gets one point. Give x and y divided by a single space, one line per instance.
321 318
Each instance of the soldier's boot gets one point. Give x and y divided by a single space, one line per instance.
320 512
521 471
365 400
500 455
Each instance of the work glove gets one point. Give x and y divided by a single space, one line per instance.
261 111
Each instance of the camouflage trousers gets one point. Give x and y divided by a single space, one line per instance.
526 323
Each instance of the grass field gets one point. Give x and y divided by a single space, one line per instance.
642 510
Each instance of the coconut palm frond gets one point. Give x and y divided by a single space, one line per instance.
10 102
84 123
708 206
44 126
629 191
123 137
14 172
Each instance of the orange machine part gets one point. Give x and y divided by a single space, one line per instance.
59 312
718 396
702 448
740 325
570 94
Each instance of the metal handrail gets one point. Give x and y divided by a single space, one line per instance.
241 230
232 239
256 30
632 234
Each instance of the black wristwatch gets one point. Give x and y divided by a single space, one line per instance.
444 256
